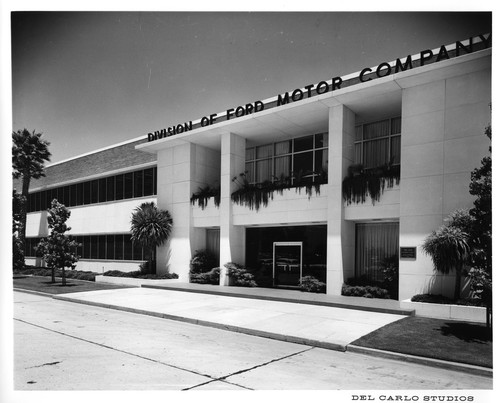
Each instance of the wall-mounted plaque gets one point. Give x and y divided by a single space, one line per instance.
408 252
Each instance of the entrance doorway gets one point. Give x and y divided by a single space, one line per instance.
287 264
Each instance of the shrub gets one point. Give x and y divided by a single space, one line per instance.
239 275
41 271
312 284
211 277
202 262
441 299
367 291
139 274
148 267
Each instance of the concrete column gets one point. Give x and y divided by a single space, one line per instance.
340 233
232 238
179 175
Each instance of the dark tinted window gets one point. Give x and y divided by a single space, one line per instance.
94 191
128 186
102 190
119 187
138 182
127 248
148 182
110 188
86 192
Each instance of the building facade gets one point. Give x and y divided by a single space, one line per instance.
288 175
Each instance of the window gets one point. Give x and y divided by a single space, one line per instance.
101 241
127 248
138 182
378 143
110 188
94 191
119 182
102 190
72 194
129 185
124 186
99 247
376 243
118 247
213 242
148 182
110 247
302 158
86 192
79 194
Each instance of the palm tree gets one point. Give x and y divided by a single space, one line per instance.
29 153
150 228
449 249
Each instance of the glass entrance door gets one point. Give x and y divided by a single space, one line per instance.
287 264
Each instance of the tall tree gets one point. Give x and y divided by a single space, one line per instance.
150 228
481 233
58 249
17 250
29 154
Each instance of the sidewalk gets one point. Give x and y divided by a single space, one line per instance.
314 325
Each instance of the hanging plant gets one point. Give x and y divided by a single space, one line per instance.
255 195
361 182
204 194
252 195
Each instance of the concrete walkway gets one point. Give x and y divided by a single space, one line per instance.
291 295
315 325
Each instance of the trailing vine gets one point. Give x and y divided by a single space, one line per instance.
255 195
361 182
203 194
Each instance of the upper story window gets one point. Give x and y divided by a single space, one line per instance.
378 143
302 159
118 187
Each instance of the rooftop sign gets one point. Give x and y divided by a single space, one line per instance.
425 57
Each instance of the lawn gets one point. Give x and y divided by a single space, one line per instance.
43 284
464 342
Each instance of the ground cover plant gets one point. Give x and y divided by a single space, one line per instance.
443 339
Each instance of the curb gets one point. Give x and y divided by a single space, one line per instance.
44 294
433 362
231 328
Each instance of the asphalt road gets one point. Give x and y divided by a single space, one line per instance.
60 345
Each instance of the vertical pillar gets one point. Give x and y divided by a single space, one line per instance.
340 233
232 238
176 181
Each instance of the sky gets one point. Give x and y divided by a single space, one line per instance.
88 80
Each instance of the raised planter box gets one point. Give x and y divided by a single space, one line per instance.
134 282
445 311
207 217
